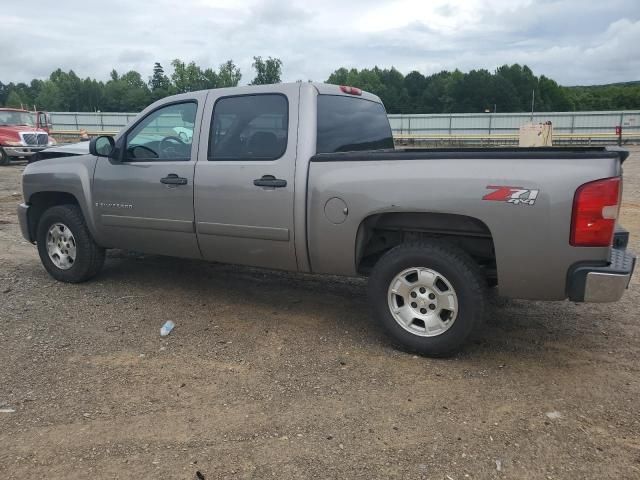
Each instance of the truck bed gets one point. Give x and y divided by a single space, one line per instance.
531 241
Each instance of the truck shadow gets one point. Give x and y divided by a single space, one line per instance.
512 326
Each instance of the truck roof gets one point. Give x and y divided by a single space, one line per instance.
11 109
321 88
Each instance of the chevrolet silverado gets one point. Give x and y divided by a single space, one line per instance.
304 177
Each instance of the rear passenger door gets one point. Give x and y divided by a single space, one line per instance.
244 177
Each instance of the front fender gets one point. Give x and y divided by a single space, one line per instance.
69 175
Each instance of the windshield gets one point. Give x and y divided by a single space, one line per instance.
17 118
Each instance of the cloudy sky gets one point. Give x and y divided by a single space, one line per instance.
572 41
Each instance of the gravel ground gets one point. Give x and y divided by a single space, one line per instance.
273 375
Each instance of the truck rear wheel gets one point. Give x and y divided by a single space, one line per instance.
65 245
428 296
4 158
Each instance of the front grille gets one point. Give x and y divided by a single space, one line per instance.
35 138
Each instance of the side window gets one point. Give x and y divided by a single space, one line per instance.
164 135
249 127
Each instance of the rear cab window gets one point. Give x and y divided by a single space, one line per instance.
351 124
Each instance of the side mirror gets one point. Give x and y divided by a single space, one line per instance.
102 146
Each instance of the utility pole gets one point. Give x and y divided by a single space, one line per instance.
533 102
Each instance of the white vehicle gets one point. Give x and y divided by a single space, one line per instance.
185 134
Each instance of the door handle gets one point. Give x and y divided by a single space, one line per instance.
270 181
173 179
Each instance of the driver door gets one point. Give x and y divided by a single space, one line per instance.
144 200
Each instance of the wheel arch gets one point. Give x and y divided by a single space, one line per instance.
40 202
380 232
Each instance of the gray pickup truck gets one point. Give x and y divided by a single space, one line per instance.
304 177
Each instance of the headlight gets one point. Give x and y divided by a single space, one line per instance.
52 142
14 144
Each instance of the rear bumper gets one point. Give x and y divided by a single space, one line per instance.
601 284
23 218
22 151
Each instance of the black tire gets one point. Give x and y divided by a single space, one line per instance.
89 256
4 158
462 273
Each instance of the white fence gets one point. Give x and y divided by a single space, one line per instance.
504 123
415 128
92 122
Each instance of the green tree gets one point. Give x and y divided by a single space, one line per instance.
70 87
114 93
366 79
50 97
228 75
473 92
505 96
190 77
159 81
14 100
4 93
552 97
137 94
24 92
437 97
339 77
209 79
267 71
126 93
393 93
508 89
523 80
415 83
92 95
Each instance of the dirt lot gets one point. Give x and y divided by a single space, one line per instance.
271 375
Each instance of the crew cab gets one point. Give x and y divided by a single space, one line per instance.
23 133
304 177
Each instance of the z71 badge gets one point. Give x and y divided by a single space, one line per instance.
515 195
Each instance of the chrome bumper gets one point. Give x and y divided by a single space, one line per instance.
22 151
602 284
605 287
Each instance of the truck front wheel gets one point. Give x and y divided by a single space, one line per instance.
65 245
428 296
4 158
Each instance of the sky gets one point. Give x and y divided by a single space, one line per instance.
575 42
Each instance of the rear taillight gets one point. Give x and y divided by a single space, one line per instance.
350 90
595 209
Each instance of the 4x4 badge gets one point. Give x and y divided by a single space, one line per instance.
515 195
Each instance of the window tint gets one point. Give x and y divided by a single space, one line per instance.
347 124
165 134
249 127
